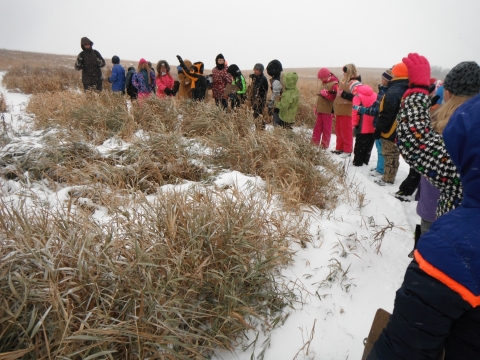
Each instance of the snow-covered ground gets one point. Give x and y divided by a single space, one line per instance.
339 278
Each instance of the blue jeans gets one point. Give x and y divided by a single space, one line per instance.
381 160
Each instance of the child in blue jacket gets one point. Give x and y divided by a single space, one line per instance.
118 76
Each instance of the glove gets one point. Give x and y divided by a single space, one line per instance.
435 99
180 60
377 134
99 62
324 93
418 74
356 107
168 91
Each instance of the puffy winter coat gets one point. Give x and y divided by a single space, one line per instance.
117 79
131 89
164 82
363 96
438 305
389 108
140 81
288 103
260 90
424 150
220 80
90 62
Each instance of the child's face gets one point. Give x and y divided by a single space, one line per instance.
220 61
257 72
384 82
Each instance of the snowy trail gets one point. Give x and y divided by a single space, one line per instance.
342 309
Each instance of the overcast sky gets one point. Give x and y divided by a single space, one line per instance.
300 33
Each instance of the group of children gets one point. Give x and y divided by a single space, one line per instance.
226 82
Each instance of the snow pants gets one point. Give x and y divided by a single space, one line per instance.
380 160
322 130
344 131
363 149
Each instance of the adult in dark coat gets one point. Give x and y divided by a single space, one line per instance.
437 309
90 62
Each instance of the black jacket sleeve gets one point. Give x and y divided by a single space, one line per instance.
388 112
422 318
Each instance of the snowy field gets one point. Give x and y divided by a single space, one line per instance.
340 279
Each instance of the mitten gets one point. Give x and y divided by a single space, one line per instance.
324 93
168 91
356 107
434 100
418 74
99 62
79 62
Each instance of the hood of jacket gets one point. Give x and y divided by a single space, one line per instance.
167 66
365 93
85 41
234 70
290 79
462 140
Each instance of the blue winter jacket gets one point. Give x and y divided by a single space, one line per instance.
118 78
438 306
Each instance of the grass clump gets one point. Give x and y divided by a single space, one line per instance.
173 278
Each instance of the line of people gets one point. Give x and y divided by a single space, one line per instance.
226 82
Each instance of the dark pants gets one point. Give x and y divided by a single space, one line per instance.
257 111
279 122
95 86
237 101
223 102
410 184
363 149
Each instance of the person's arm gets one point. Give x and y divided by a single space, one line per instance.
424 311
114 75
79 62
276 92
355 114
389 108
100 60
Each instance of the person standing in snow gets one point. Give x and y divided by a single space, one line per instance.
287 105
144 80
362 123
274 70
322 132
385 127
117 79
238 80
221 78
90 62
342 106
164 80
437 308
258 95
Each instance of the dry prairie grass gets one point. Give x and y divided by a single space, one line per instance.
173 279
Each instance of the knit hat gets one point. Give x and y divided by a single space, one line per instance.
400 70
323 73
259 67
142 61
115 60
274 68
432 80
387 75
463 79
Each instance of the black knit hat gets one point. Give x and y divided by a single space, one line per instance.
115 60
234 70
463 79
274 68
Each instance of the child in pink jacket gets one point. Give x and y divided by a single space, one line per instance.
164 80
362 123
323 109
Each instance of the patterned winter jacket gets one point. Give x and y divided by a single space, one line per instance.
139 82
424 150
220 80
437 307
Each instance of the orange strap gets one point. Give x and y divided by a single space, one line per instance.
466 294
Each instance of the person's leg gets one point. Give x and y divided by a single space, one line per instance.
381 160
390 171
369 141
327 130
359 150
276 119
317 130
425 225
347 133
410 184
338 131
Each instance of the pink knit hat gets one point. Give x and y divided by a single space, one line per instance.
142 61
323 73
